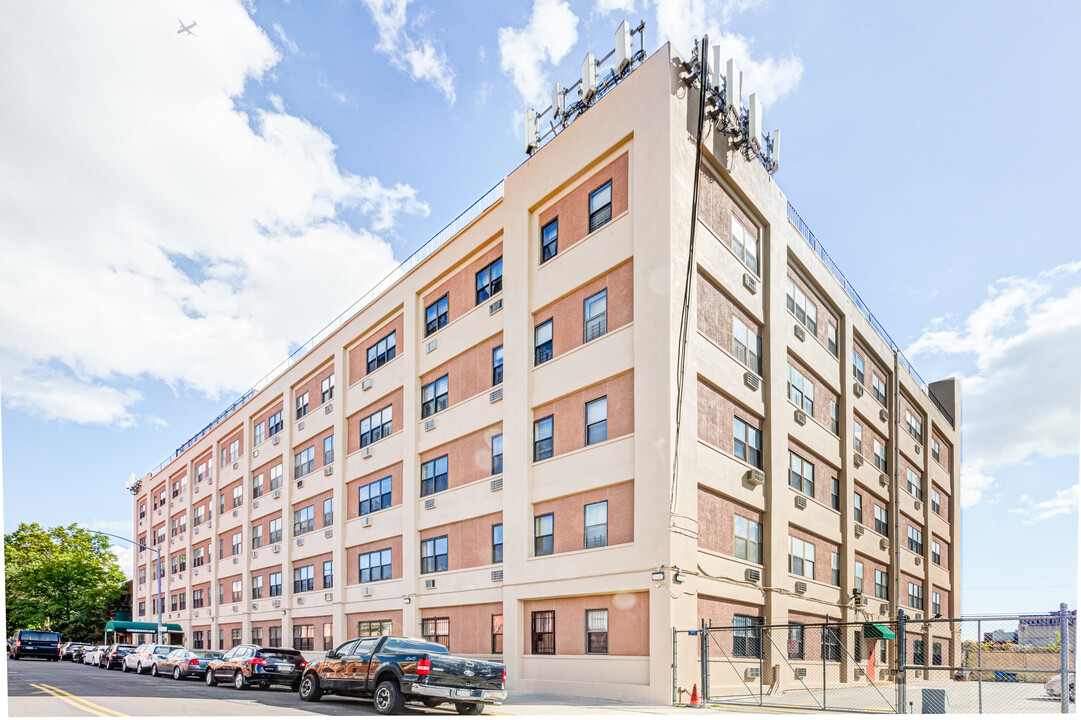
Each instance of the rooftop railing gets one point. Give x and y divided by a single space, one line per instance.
423 252
803 229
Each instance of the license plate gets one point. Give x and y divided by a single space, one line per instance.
285 668
463 693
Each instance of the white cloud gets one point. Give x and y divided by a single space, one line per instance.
606 7
148 228
549 35
974 483
1064 502
285 39
126 557
418 56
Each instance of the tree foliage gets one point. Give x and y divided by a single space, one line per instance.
63 579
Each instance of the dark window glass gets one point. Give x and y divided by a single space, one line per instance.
544 632
434 396
435 315
542 438
433 476
542 343
497 543
433 555
600 206
375 496
490 281
543 534
497 365
549 240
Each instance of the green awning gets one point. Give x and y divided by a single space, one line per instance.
877 630
139 627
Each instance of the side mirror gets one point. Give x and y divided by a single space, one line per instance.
332 655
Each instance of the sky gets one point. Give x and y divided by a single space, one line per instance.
178 212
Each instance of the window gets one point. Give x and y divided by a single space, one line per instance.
746 638
549 240
497 454
433 476
198 519
382 352
328 636
801 557
275 583
804 310
304 637
376 566
915 596
543 624
878 388
882 584
497 543
600 206
497 634
435 315
375 496
196 637
542 343
274 424
328 574
880 456
376 426
302 405
831 338
257 636
747 346
142 511
857 368
936 653
747 443
234 637
176 488
256 587
172 603
745 245
859 576
936 452
221 639
238 496
497 365
433 555
257 486
374 628
936 603
595 316
835 493
197 561
801 474
224 460
748 539
936 552
304 462
328 512
835 569
328 450
238 591
882 525
543 534
221 503
835 420
801 391
597 421
276 477
326 389
914 426
795 641
275 530
238 543
489 281
915 483
831 644
542 438
596 518
304 520
275 639
857 504
142 575
936 502
433 396
596 632
197 599
857 436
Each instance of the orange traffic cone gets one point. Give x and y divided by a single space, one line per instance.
694 695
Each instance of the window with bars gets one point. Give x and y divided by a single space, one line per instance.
542 343
434 396
747 443
549 240
543 632
595 316
436 630
497 365
304 637
543 534
435 315
600 206
542 438
376 566
597 421
596 519
490 280
747 636
375 496
497 634
382 352
597 632
374 628
433 476
433 555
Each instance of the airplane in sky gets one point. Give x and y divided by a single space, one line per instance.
186 28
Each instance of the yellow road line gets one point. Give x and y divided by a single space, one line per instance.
80 702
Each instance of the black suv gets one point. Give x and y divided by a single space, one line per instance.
247 665
36 643
113 656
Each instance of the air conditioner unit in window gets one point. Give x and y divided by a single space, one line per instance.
884 543
255 453
801 334
196 613
883 609
750 380
883 479
429 584
300 425
495 307
254 554
300 601
429 503
801 672
328 470
497 484
276 603
859 530
275 548
255 606
255 503
366 592
801 587
300 541
236 513
857 389
236 608
431 345
329 532
497 576
365 452
496 395
300 483
884 415
329 407
196 530
236 465
276 494
752 575
750 282
236 561
328 596
919 449
752 672
429 425
275 440
755 476
801 417
801 502
365 521
366 384
918 505
857 460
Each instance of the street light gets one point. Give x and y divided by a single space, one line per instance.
160 568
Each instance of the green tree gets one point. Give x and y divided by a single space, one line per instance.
63 579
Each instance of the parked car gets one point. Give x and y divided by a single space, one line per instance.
184 663
392 670
1053 686
92 654
113 656
36 643
77 652
247 665
142 658
68 650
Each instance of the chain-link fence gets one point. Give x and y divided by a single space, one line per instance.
1002 664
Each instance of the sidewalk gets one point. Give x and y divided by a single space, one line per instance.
548 704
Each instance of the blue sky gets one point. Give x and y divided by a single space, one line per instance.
169 199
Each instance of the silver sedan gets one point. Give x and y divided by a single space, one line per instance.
183 663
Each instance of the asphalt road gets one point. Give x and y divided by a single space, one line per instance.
39 688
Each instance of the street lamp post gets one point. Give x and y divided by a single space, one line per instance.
159 570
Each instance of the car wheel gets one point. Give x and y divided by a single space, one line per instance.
176 673
309 688
388 698
125 667
239 681
210 681
154 670
469 708
431 702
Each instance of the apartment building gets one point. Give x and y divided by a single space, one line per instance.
483 453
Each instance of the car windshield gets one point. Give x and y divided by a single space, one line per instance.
281 656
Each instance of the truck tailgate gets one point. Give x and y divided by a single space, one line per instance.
450 671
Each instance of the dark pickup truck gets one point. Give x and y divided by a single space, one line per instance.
392 670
